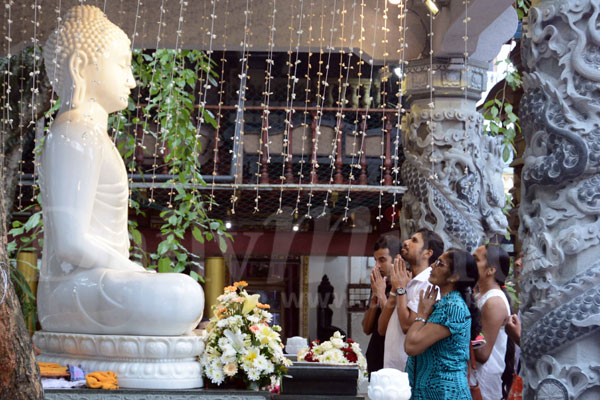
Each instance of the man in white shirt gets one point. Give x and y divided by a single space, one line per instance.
400 309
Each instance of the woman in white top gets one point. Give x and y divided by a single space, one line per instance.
495 359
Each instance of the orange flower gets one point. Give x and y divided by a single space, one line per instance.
240 284
263 306
220 311
230 288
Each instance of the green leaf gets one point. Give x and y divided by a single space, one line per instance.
214 225
222 244
164 264
163 247
33 221
195 275
16 231
506 154
20 280
488 103
137 237
197 233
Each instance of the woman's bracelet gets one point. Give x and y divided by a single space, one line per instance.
423 320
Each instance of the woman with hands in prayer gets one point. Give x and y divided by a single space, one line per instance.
438 341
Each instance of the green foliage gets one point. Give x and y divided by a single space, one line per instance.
522 7
26 237
500 115
167 80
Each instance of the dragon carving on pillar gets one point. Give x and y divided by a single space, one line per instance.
560 205
453 175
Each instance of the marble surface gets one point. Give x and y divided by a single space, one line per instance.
88 394
149 362
88 284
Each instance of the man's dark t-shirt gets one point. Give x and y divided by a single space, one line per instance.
374 354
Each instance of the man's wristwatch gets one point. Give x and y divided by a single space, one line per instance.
400 291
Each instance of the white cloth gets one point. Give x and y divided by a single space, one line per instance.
54 383
489 374
394 355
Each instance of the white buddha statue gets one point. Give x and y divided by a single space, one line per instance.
87 282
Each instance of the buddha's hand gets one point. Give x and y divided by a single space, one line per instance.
131 267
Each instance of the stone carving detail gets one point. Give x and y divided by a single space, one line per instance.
560 228
152 362
455 185
84 394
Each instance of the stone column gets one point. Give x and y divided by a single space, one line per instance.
453 171
560 203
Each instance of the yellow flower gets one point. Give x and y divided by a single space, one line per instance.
250 302
240 284
251 354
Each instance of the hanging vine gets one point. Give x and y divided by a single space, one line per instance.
500 113
167 80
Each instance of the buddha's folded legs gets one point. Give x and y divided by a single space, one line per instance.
105 301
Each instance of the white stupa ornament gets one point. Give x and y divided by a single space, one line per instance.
389 384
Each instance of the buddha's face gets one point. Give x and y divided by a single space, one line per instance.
110 80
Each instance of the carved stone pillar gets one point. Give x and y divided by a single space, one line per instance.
560 202
453 171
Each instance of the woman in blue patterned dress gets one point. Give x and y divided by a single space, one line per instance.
438 341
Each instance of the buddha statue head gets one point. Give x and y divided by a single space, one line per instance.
88 59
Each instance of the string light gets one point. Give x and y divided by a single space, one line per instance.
220 105
21 106
239 120
465 85
431 105
321 100
400 109
365 116
131 168
136 145
292 79
6 120
307 101
147 114
383 114
203 93
177 55
35 90
263 144
341 102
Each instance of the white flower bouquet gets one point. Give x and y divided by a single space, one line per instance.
240 344
335 351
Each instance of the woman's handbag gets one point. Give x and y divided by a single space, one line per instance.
472 366
516 390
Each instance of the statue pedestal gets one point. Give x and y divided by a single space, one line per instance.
142 362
